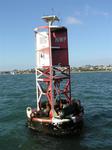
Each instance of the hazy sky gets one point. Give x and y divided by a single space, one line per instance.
89 24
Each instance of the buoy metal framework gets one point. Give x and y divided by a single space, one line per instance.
52 63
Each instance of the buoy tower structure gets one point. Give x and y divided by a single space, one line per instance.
52 63
56 113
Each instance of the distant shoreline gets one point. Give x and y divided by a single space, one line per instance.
90 71
21 73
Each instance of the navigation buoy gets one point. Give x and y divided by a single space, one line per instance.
56 112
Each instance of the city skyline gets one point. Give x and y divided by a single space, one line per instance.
89 31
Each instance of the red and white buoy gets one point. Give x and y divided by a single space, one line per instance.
53 84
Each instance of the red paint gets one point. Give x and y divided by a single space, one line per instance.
59 43
51 114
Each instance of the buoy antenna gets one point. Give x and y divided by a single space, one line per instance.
50 19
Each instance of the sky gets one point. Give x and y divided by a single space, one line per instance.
89 24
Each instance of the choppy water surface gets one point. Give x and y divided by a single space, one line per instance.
18 91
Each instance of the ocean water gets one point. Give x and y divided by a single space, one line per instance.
93 89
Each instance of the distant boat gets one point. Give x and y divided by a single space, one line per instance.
57 113
12 73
